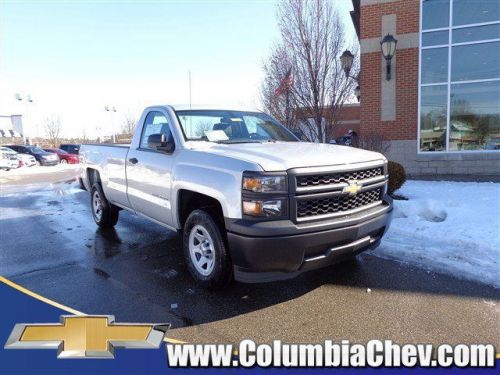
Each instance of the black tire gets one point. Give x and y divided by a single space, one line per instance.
80 182
107 216
222 272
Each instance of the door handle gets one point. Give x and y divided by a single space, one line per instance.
133 160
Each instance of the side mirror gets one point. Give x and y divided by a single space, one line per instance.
159 142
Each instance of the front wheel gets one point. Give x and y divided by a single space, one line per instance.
105 214
205 251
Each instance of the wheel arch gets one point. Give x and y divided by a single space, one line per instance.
189 200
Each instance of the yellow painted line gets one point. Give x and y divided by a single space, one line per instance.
39 297
76 312
59 305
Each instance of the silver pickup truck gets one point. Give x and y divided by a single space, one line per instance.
252 202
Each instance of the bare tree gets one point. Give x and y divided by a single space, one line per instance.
373 141
312 40
128 124
282 107
53 130
83 138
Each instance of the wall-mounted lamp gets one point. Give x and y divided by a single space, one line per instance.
388 46
346 60
357 92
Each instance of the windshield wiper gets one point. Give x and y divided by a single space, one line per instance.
232 142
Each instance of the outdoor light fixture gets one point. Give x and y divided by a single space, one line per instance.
388 46
346 60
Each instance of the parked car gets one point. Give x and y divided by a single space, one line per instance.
64 157
70 148
251 200
27 160
8 159
42 157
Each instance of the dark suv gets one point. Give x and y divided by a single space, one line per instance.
70 148
42 157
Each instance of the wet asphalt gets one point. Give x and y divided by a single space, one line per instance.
50 244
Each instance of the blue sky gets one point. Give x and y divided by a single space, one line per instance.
75 57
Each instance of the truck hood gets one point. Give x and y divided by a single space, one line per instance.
279 156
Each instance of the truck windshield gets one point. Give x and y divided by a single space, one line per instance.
232 127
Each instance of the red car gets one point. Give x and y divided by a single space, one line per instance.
65 157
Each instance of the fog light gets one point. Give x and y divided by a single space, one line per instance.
263 208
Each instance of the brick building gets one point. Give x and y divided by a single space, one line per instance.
441 116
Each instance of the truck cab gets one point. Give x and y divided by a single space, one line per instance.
251 201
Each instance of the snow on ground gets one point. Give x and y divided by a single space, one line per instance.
23 171
448 227
32 178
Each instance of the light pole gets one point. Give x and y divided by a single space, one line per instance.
112 110
26 101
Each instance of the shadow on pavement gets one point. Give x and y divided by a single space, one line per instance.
195 305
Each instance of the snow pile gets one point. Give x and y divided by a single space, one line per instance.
24 171
448 227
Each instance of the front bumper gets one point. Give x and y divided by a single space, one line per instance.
280 250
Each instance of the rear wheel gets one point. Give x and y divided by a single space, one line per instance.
105 214
82 185
205 251
64 161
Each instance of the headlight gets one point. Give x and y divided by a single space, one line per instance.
264 184
264 208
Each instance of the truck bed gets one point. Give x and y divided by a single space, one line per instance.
110 161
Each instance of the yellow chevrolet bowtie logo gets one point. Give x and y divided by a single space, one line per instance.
353 188
89 336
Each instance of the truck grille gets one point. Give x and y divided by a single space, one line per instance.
336 178
334 204
321 193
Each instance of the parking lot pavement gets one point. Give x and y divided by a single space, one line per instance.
50 244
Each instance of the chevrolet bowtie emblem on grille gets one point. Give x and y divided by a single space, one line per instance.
353 188
87 336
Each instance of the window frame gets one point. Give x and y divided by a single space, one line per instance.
147 149
448 83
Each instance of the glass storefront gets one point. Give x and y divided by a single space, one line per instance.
460 76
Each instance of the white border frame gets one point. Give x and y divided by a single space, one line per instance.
450 45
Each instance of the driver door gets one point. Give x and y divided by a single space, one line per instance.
149 172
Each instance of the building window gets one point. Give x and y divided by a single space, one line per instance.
459 76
